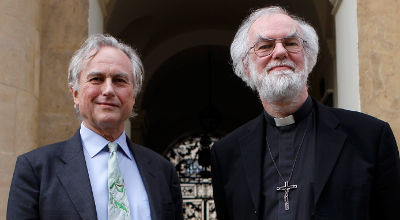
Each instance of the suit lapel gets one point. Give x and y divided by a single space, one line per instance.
149 176
251 151
329 144
74 176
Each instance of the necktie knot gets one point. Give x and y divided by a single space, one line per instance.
112 147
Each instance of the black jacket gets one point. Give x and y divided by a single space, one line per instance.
52 182
357 172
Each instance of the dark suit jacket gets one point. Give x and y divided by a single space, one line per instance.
357 171
52 182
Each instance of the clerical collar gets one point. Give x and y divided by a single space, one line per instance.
296 117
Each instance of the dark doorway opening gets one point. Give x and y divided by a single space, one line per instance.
195 92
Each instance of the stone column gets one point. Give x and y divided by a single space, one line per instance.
19 85
379 65
347 68
64 27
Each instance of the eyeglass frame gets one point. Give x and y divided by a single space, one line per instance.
301 40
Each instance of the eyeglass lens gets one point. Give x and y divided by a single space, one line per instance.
265 47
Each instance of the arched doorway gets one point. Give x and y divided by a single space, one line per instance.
191 101
164 31
190 89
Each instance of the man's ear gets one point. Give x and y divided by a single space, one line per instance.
245 63
74 95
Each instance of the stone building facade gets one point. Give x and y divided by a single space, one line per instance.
38 37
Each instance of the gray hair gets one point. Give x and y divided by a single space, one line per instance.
90 48
239 46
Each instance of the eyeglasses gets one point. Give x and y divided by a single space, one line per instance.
265 47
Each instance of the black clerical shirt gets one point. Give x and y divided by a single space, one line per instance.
284 142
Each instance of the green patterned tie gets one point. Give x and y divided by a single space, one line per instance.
118 204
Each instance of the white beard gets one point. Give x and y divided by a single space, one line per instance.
280 85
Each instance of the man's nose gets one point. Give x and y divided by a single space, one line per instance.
279 52
108 87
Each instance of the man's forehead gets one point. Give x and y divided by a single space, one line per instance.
273 26
108 53
107 74
107 56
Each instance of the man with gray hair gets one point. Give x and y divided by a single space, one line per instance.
299 159
98 173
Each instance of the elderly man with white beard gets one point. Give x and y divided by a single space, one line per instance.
299 159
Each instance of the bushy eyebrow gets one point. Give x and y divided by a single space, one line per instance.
264 38
95 73
123 75
90 74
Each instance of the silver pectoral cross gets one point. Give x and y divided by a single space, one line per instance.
286 188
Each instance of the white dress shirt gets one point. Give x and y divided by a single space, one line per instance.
96 155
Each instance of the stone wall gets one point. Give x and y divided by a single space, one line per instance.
64 27
37 39
19 85
379 64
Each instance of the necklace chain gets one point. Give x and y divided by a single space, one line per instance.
295 159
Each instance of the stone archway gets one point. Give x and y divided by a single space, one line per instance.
162 31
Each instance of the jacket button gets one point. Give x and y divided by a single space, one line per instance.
255 212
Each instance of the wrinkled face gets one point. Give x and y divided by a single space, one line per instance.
105 96
275 26
282 74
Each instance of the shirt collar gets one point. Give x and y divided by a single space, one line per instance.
294 118
94 143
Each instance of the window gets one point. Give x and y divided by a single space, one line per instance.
191 157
